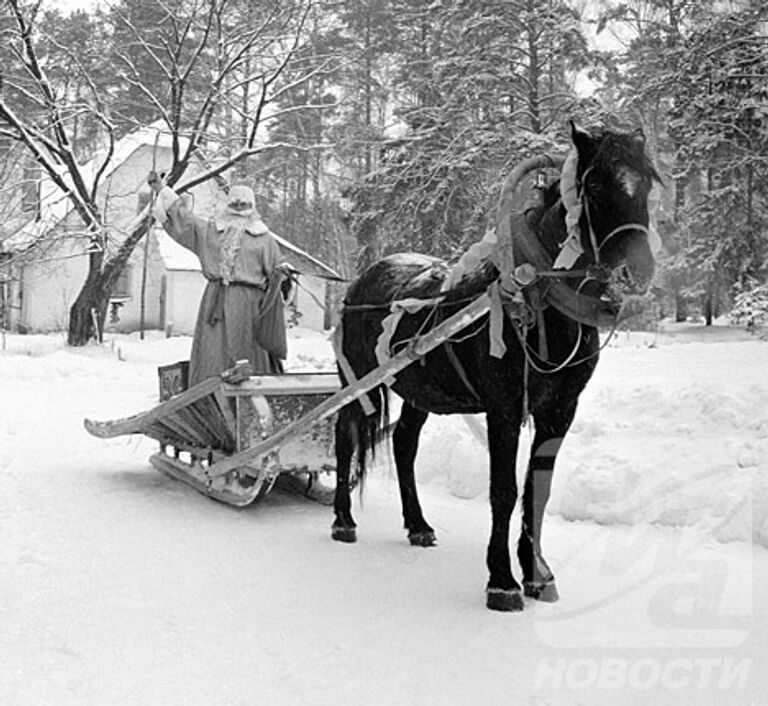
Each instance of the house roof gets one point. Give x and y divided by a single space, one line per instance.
24 230
174 256
155 133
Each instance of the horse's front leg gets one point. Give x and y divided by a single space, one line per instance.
344 527
538 579
503 592
405 441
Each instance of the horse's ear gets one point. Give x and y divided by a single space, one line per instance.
580 137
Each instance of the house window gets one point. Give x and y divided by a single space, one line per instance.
122 288
30 195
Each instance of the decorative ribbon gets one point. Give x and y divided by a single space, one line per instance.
398 307
571 248
496 322
337 341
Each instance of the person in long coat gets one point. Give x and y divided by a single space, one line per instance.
241 312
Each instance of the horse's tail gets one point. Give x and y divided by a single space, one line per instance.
362 426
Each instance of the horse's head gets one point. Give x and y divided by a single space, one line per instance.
607 191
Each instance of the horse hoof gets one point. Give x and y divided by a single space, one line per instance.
344 534
545 591
422 539
506 601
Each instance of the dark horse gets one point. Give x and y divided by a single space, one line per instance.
546 359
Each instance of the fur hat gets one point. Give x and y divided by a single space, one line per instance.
240 210
241 200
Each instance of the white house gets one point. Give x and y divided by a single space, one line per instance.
162 283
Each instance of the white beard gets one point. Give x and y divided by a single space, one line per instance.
251 222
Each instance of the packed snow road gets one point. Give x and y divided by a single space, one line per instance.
121 586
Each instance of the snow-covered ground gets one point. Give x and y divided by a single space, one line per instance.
121 586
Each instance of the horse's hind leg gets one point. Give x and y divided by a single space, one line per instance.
405 441
344 527
538 580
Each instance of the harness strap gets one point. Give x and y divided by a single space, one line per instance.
459 368
346 369
538 306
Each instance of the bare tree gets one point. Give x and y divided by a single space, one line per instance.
198 62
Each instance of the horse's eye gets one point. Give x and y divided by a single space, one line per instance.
593 184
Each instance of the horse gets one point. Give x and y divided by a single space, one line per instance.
532 360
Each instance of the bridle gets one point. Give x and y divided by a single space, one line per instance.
596 271
595 245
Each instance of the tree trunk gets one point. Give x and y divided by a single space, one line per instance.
89 310
534 70
91 300
709 304
681 309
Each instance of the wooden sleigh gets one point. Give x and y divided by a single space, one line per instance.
221 418
233 440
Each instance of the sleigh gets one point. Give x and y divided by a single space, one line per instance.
220 419
235 438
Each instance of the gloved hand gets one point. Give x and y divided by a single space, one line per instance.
286 269
155 181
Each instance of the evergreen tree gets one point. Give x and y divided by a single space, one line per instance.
483 85
696 72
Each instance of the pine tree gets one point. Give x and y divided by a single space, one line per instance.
482 85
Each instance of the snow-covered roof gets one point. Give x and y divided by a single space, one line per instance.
175 256
154 133
54 206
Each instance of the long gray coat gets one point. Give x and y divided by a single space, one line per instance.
241 311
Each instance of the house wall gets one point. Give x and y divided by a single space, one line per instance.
124 314
49 287
183 294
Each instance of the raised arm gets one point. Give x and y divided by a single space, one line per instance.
175 216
